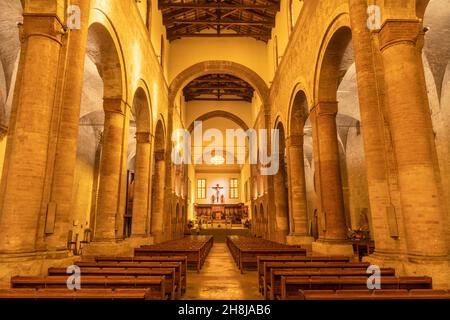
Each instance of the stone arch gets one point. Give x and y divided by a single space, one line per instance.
160 136
220 67
220 114
298 112
335 58
334 48
104 50
142 109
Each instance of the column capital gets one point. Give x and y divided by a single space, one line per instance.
396 31
143 137
114 105
325 108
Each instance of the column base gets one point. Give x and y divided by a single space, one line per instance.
117 248
30 264
327 248
438 270
300 240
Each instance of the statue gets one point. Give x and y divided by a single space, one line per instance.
213 199
222 199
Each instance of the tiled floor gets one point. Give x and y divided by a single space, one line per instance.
220 279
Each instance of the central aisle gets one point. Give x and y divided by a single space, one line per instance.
220 279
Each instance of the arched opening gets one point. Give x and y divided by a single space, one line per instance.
100 140
295 150
333 121
158 184
138 173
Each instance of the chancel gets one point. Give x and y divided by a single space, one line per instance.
226 149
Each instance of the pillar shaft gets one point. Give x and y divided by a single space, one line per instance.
110 171
66 147
281 216
332 225
141 203
413 139
299 224
372 127
158 198
26 155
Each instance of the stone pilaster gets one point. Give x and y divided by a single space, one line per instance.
31 120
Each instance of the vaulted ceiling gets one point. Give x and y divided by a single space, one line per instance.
219 18
218 87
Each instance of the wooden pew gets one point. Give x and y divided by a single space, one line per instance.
85 294
290 286
268 266
273 284
300 258
245 250
195 248
399 294
140 259
137 265
156 284
173 284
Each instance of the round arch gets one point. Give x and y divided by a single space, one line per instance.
106 52
332 49
142 108
220 114
160 135
298 112
220 67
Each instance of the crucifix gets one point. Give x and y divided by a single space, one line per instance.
217 188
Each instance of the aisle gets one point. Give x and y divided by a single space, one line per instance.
221 279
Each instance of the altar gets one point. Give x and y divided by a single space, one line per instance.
221 215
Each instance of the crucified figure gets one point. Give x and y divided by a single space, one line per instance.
217 188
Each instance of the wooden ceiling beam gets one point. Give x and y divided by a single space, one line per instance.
260 36
219 6
220 22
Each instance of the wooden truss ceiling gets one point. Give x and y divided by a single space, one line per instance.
218 87
219 18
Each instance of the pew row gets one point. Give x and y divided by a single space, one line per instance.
85 294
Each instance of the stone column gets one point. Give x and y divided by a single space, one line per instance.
141 210
110 171
66 146
413 140
298 233
28 141
332 223
158 197
371 108
281 212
